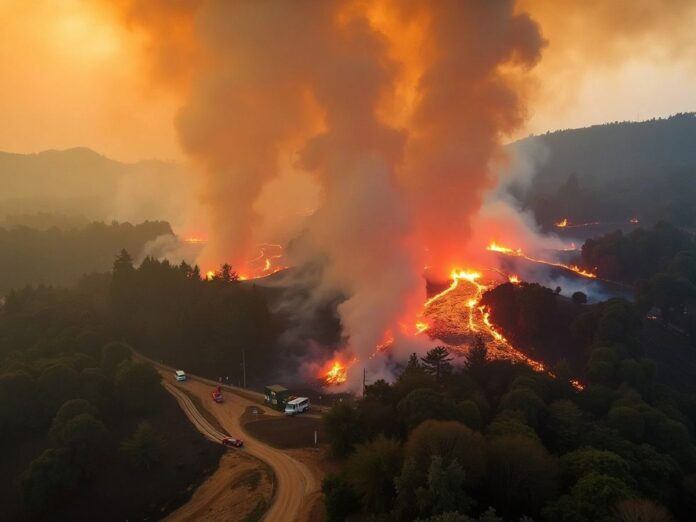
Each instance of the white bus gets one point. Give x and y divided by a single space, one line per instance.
297 405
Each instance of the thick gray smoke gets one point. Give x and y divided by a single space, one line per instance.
323 83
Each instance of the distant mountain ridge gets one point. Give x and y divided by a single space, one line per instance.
83 182
607 172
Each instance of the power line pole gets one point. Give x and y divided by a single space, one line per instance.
243 369
364 379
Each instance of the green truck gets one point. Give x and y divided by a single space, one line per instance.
276 396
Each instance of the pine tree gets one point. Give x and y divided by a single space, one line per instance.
437 362
227 274
123 263
413 361
476 358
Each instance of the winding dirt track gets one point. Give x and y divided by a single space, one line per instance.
295 483
195 416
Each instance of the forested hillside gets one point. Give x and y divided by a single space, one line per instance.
614 172
171 313
85 432
61 257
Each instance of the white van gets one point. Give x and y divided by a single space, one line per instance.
180 375
297 405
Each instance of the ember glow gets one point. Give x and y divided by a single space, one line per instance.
195 240
494 247
386 343
564 223
457 310
456 276
462 299
421 327
267 262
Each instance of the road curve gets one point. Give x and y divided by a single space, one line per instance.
193 414
294 480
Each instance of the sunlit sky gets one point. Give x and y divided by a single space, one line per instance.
70 75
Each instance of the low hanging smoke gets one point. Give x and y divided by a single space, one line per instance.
396 109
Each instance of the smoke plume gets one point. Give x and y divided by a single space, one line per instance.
396 109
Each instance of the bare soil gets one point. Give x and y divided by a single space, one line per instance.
316 460
240 489
286 432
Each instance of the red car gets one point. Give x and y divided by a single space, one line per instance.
217 395
232 442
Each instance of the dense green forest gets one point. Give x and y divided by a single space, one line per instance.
496 441
613 172
170 312
537 321
660 263
60 257
82 426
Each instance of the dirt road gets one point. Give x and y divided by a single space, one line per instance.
296 485
191 411
294 481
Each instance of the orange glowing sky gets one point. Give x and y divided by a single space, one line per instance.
71 74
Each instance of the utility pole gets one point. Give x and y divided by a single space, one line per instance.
243 369
364 379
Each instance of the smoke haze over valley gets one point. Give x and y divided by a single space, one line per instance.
348 260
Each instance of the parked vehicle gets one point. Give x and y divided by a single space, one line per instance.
297 405
276 396
180 375
217 395
232 442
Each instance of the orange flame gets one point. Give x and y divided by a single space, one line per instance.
564 223
385 344
479 316
513 279
268 259
195 240
456 276
494 247
336 371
